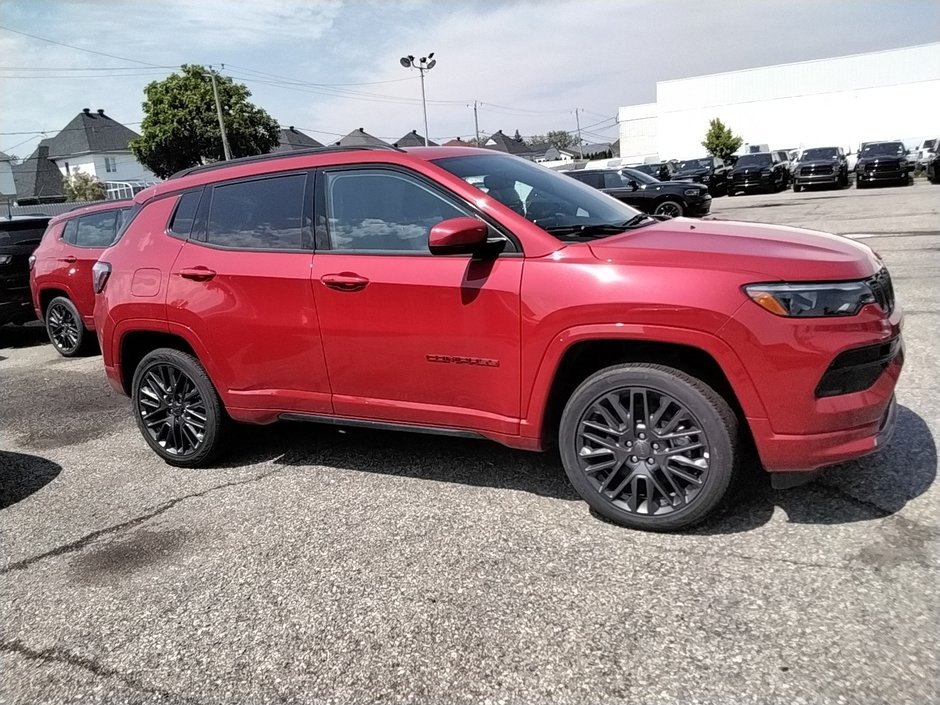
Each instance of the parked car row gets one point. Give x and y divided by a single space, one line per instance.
465 292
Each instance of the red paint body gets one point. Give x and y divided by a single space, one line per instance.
470 344
64 269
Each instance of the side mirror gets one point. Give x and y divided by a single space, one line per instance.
457 236
633 184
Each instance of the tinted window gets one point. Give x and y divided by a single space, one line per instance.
638 176
263 214
595 180
182 221
820 153
97 229
382 210
755 160
71 227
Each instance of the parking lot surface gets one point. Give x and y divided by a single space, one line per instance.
318 565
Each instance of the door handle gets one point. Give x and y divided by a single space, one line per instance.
197 274
346 281
70 259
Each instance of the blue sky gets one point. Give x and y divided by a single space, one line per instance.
328 66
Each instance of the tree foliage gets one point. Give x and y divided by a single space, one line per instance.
557 138
181 126
720 141
83 187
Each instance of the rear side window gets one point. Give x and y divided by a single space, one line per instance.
93 230
595 180
258 215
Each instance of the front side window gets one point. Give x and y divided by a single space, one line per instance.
266 214
96 229
379 210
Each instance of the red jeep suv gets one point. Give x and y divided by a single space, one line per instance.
60 272
465 292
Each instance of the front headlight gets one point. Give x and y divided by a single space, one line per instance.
691 192
812 300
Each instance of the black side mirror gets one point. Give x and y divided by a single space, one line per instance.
634 185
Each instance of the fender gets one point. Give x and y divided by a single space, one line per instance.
721 352
42 289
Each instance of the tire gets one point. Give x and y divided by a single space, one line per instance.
797 188
669 207
65 329
177 408
603 443
860 184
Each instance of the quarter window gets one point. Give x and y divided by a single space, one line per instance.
383 211
255 215
185 214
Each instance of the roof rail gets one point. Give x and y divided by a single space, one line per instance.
281 155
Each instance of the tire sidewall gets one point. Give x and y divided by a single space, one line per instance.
67 304
214 412
714 416
673 202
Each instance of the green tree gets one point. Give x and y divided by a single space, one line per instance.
557 138
720 141
181 124
83 187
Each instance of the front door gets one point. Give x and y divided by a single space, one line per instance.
410 336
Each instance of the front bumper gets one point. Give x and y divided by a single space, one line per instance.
751 183
814 179
697 209
873 177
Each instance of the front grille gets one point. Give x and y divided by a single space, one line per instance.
815 170
883 290
883 166
858 369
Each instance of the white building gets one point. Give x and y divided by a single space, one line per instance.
883 95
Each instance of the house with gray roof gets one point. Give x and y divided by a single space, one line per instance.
7 184
413 139
360 138
93 143
292 139
517 146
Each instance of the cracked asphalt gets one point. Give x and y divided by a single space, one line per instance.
318 565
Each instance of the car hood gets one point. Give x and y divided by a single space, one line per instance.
673 187
768 252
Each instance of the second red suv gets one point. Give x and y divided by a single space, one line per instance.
60 272
471 293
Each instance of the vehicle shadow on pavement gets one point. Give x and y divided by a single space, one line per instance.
442 459
873 487
22 475
26 336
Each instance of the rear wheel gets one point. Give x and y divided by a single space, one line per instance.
177 408
796 187
670 208
65 328
648 446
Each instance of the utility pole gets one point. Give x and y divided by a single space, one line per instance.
578 120
476 122
218 109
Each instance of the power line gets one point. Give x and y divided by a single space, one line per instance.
72 46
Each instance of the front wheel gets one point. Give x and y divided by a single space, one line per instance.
65 328
649 446
177 408
796 187
669 208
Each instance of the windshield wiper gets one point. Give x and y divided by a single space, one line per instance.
597 229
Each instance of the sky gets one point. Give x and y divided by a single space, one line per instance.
328 67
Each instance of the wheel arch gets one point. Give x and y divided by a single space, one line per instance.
578 354
136 344
47 294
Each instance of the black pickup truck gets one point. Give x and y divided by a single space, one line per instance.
821 166
710 171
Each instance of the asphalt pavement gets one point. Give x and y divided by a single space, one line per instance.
322 565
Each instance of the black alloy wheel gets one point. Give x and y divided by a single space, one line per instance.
65 328
177 409
649 446
671 208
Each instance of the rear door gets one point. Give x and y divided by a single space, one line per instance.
241 286
83 241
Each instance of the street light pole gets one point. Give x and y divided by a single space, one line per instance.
425 63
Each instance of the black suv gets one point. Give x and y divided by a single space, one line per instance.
821 165
711 171
642 191
880 162
761 171
19 236
661 171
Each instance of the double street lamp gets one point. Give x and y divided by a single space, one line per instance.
425 63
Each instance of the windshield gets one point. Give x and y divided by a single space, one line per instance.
820 153
754 160
555 202
639 176
883 149
693 164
